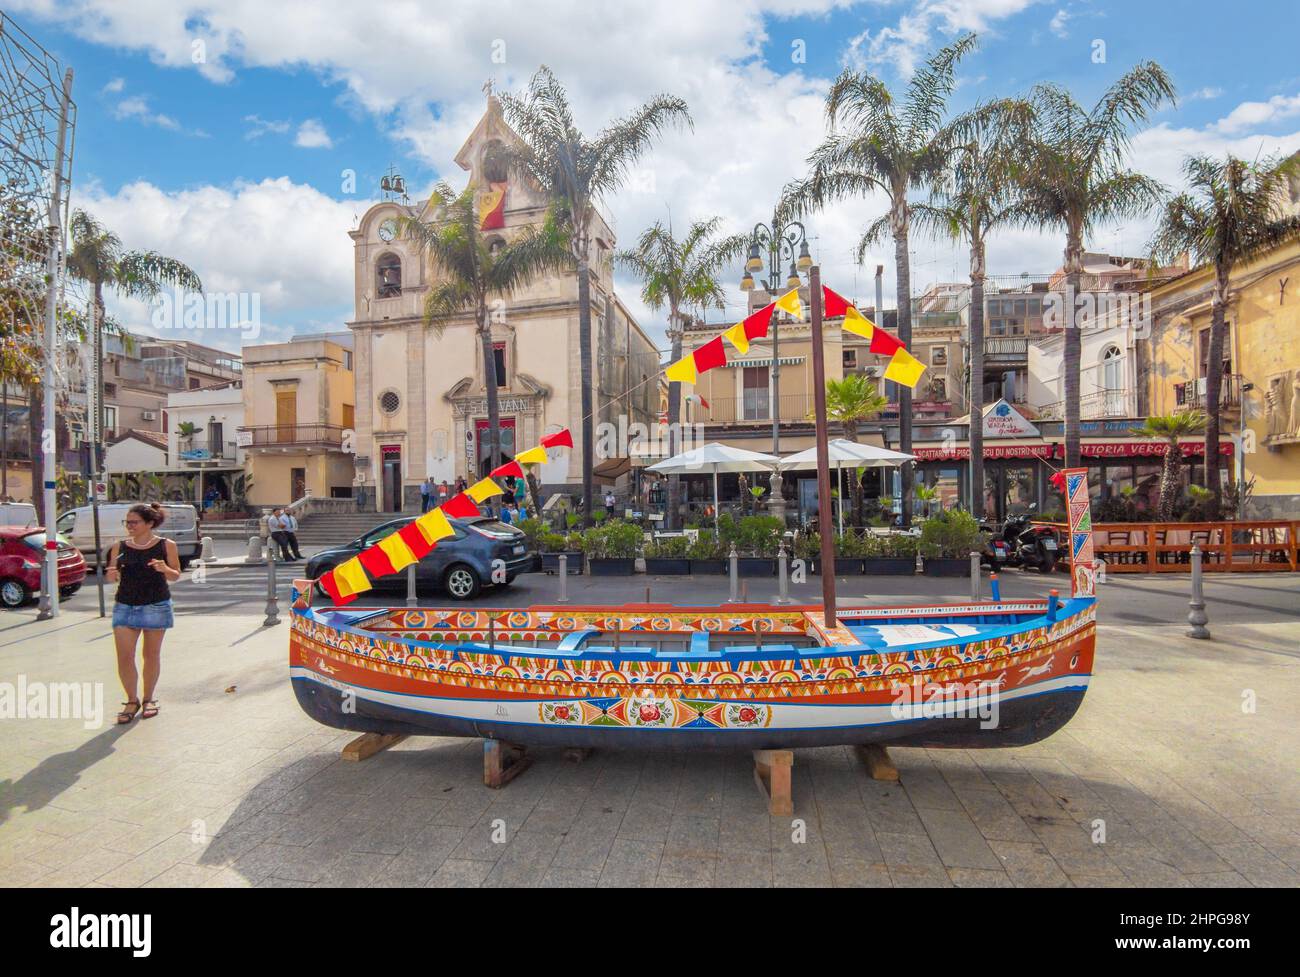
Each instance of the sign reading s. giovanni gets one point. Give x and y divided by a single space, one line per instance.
1001 420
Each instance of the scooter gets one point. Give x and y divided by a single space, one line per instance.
1000 550
1036 546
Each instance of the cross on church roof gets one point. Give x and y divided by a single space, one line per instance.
487 87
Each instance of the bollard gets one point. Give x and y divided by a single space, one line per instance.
412 599
1197 617
734 563
272 607
1053 599
206 552
254 550
783 596
974 577
995 587
563 597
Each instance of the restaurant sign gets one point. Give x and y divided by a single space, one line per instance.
1001 420
1111 449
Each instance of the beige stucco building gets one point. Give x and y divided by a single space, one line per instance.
299 402
420 394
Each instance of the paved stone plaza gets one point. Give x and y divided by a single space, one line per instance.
233 786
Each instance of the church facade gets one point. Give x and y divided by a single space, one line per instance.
421 400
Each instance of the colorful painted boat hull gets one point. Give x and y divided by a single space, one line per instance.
980 675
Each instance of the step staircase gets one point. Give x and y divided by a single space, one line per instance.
317 529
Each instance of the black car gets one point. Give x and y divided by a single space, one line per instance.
461 565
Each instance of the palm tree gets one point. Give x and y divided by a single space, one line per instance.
680 274
1232 211
97 258
469 270
974 196
893 147
576 173
1169 428
849 402
1074 179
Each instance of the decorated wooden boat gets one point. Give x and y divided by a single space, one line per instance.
751 677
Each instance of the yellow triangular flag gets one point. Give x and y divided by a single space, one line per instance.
484 489
904 368
855 322
790 302
434 525
533 456
683 371
736 336
398 553
350 577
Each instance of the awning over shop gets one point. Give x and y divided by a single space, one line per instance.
1088 449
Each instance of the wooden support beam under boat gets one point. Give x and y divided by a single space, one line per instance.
368 744
877 761
772 769
503 762
576 754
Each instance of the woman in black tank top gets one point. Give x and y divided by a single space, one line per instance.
143 566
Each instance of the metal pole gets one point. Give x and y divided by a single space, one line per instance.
94 511
774 269
49 606
272 605
412 600
1197 617
563 597
734 568
823 460
995 587
974 576
783 594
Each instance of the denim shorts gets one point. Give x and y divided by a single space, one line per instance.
145 617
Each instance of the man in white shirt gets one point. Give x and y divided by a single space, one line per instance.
276 526
290 522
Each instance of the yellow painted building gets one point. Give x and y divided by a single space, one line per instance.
299 404
1260 399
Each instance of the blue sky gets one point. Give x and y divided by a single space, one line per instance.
235 164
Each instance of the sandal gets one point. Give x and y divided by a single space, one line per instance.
150 709
126 715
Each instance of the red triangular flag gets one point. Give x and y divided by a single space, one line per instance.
711 354
560 439
509 468
833 304
376 562
460 507
756 325
415 541
883 343
703 403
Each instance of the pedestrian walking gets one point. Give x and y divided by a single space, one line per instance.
425 488
610 502
291 533
143 565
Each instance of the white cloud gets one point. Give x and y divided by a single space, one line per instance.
917 31
136 107
1058 23
312 135
1252 114
282 240
259 127
1203 94
114 86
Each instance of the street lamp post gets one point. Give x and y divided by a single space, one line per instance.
781 243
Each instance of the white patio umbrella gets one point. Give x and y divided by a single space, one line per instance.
843 454
715 457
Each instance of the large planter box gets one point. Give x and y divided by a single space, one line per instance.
945 567
708 566
551 562
612 567
665 566
755 566
890 564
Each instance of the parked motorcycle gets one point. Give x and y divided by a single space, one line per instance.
1038 547
999 551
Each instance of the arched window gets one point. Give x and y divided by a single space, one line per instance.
494 167
388 276
495 244
1112 380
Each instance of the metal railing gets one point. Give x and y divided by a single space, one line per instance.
1104 403
1192 393
329 435
1013 348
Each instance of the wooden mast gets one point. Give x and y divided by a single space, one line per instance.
824 501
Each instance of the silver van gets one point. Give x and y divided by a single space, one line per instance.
19 515
181 526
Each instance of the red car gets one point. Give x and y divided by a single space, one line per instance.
21 553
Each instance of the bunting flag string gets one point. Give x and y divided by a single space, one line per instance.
417 539
903 367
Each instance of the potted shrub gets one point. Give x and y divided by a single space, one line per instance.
850 548
947 540
612 548
706 555
808 547
757 539
533 530
891 553
553 544
668 556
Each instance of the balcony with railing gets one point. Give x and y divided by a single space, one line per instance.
292 435
1192 393
205 451
1093 406
1006 349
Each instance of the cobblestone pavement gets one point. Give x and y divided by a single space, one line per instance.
1163 778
